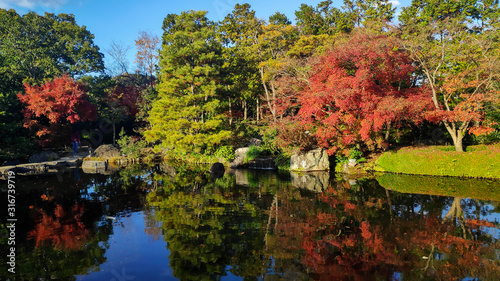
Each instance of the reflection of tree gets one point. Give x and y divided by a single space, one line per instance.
205 231
209 224
63 245
348 234
60 232
64 230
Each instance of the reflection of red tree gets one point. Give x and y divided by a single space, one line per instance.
64 230
349 238
342 243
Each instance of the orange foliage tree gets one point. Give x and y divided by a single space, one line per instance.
51 107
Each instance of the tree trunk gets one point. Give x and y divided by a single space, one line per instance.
245 110
258 108
387 132
230 113
457 134
455 209
114 133
268 98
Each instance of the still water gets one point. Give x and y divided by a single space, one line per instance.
172 222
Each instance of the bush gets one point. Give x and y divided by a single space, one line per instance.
226 152
131 146
253 152
282 161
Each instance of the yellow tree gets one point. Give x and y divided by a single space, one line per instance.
147 45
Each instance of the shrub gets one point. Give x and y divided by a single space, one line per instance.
253 152
131 146
226 152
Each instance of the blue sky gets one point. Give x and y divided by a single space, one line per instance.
121 20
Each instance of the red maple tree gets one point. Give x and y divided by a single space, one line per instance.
358 90
53 105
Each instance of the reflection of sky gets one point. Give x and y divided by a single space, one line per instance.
487 214
131 251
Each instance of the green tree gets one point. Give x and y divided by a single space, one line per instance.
188 111
239 31
326 19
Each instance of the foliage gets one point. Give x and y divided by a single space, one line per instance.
147 54
282 161
253 152
455 46
52 107
38 47
226 152
326 19
482 163
187 114
33 48
132 146
357 90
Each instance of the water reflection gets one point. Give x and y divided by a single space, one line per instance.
168 222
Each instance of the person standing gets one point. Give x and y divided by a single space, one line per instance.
75 140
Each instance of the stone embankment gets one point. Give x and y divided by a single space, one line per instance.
41 168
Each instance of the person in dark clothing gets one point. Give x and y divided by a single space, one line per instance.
75 140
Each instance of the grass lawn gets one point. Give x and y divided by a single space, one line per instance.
480 161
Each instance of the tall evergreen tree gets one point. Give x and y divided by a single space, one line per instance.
187 114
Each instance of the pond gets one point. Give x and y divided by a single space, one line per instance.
173 222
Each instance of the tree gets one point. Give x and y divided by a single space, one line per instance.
358 89
147 54
454 44
272 46
34 48
326 19
239 32
51 107
39 47
360 12
188 113
119 54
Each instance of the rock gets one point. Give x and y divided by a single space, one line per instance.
167 169
217 170
240 153
94 167
313 181
313 160
254 142
107 151
11 163
44 156
262 164
353 170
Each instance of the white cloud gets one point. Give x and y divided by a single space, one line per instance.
30 4
395 2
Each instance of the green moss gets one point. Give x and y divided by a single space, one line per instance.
483 189
479 161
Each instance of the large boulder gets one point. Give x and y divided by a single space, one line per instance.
217 170
239 160
107 151
44 156
313 160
